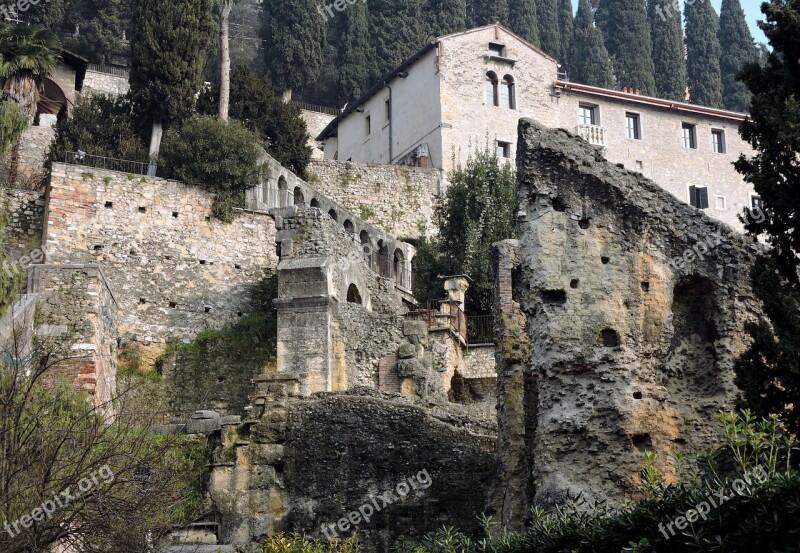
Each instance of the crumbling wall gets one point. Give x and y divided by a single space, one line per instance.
635 306
25 220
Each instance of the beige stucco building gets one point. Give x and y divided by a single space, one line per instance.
468 89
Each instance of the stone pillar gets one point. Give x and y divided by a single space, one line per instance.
456 288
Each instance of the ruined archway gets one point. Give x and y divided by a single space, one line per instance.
353 295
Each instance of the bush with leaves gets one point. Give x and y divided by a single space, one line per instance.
476 211
220 156
100 126
12 124
281 543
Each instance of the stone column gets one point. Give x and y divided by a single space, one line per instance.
456 288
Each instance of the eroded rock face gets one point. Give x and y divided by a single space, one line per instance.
635 306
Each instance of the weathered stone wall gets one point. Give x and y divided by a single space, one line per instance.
479 362
25 213
33 147
97 82
174 269
76 319
635 304
315 122
309 462
395 198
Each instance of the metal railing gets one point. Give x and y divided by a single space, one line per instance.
442 314
480 329
109 70
110 163
314 107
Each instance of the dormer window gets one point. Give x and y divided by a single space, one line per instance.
497 49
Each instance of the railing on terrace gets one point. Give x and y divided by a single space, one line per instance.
110 163
440 314
109 70
480 330
319 109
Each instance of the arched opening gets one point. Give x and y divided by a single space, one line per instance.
609 338
383 267
353 295
491 88
332 214
348 226
283 192
314 203
299 199
364 237
399 268
507 99
53 103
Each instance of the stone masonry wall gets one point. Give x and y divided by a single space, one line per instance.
25 213
635 305
398 199
315 122
96 82
174 269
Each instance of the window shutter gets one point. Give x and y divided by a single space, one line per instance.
693 196
702 197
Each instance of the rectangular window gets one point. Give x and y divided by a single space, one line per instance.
587 115
491 90
720 203
689 136
756 202
388 108
503 149
368 124
698 197
632 122
718 141
496 49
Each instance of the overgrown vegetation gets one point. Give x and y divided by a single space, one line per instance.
476 211
9 280
12 124
281 543
221 156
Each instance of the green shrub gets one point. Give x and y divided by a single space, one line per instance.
12 124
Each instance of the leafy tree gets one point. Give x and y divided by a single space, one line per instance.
627 37
255 104
102 24
565 29
12 124
703 54
549 36
666 34
101 126
354 59
295 39
27 54
50 14
590 62
168 45
220 156
477 211
769 372
738 50
523 20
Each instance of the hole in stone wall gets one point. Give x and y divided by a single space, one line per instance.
239 313
574 283
348 226
584 223
353 295
637 395
167 257
220 380
207 309
314 202
142 301
172 305
142 210
554 297
642 442
109 205
609 338
175 214
132 252
202 262
645 286
604 260
559 205
208 218
98 247
332 215
278 249
237 266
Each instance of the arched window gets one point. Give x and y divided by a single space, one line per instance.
507 99
364 237
353 295
398 269
299 199
348 226
332 214
491 89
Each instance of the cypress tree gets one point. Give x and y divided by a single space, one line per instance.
447 16
168 52
627 36
549 37
738 49
354 54
703 54
565 28
294 35
590 62
490 11
666 35
523 21
397 30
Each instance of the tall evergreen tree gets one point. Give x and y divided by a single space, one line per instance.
102 26
490 11
738 49
397 30
168 45
627 36
565 28
547 16
703 54
523 21
354 54
447 16
666 35
294 36
590 62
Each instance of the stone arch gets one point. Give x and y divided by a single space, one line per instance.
364 237
299 198
314 203
53 100
348 226
283 192
353 295
399 268
333 215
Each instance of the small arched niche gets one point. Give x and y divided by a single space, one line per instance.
353 295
